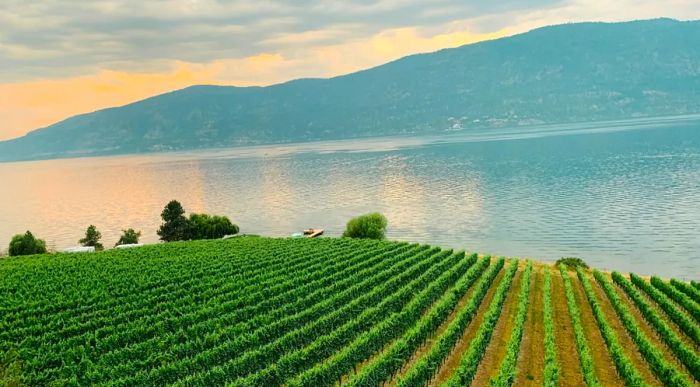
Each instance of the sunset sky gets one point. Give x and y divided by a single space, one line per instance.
59 58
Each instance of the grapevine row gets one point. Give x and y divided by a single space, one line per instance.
507 372
684 322
389 361
681 298
665 371
428 365
231 320
228 358
623 364
688 289
472 357
584 352
368 338
551 368
682 351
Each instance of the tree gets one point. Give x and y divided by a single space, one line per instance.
175 225
203 226
92 238
26 245
129 237
369 226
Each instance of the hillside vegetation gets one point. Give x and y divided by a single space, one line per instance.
253 311
559 74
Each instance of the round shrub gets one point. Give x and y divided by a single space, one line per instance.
204 226
26 244
369 226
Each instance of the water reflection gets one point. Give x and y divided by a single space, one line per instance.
623 200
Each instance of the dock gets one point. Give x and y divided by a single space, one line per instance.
313 232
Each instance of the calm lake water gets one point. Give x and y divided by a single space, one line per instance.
623 196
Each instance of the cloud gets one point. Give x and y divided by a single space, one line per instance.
59 38
68 38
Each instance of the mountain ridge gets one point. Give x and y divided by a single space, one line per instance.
577 72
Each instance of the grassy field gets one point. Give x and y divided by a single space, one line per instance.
313 312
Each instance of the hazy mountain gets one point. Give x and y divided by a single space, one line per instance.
566 73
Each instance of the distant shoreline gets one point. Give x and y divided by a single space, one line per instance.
392 142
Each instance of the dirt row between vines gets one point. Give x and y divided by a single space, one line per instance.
452 362
426 346
530 362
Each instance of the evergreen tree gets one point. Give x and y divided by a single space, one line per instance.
92 238
175 225
129 237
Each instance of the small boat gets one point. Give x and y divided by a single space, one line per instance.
313 232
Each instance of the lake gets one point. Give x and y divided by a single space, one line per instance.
621 195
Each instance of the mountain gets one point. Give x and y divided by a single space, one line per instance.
566 73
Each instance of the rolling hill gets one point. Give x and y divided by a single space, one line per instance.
567 73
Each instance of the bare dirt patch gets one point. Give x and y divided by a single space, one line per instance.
531 355
452 361
495 351
604 366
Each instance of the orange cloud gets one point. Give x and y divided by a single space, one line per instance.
30 105
403 41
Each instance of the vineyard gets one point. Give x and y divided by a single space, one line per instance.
313 312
